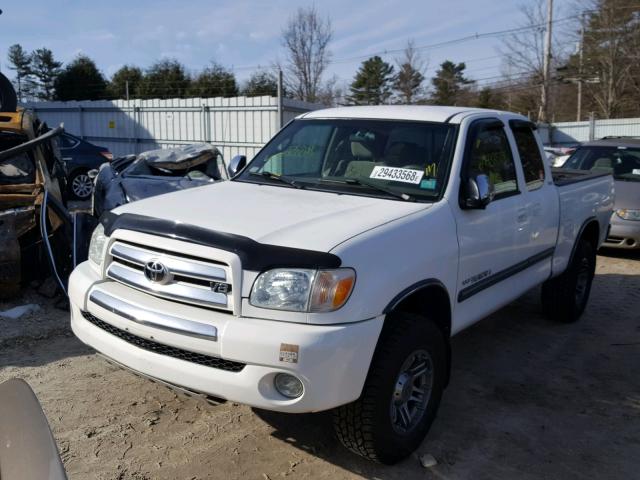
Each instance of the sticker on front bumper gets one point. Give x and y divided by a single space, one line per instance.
289 353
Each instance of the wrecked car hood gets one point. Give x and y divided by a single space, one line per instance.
132 178
275 215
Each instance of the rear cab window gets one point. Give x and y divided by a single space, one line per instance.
529 152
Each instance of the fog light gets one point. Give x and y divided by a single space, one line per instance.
288 385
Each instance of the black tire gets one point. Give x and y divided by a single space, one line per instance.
367 426
565 297
8 98
77 186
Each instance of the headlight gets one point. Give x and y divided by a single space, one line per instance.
96 247
627 214
303 290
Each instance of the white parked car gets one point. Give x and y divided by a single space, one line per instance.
333 269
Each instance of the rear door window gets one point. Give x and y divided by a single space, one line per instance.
67 142
529 152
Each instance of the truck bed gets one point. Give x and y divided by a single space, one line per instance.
584 196
566 176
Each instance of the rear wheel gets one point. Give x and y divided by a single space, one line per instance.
80 185
402 392
565 297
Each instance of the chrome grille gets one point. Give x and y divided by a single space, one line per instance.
169 275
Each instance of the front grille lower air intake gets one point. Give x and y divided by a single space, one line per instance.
161 349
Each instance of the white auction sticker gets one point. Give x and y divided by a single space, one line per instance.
396 174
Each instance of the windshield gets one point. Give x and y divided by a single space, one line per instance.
622 162
389 159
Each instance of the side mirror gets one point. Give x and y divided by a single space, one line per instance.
236 165
93 173
478 192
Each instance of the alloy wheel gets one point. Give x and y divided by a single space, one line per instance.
82 186
411 392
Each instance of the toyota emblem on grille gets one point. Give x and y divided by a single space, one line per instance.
156 272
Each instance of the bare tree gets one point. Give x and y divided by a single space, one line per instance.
524 57
306 38
408 81
612 39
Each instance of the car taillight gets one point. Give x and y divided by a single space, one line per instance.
107 155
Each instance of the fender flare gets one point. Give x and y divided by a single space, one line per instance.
410 290
586 223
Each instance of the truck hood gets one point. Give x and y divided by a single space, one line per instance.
275 215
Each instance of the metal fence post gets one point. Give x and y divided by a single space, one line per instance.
592 126
280 100
136 120
206 134
81 121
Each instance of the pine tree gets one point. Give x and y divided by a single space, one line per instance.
372 83
449 83
80 80
130 76
20 61
165 79
408 81
45 69
214 81
261 82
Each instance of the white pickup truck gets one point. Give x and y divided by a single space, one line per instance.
333 269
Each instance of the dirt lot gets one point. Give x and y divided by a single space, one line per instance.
528 399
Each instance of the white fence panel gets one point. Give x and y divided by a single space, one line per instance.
622 127
237 125
572 132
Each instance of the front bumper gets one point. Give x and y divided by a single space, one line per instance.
623 234
332 362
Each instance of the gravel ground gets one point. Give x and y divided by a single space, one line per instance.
527 399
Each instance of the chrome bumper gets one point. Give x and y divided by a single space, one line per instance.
153 319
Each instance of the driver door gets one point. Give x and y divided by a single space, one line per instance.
492 239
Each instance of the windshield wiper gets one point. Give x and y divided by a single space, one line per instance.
362 183
280 178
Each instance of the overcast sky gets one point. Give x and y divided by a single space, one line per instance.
241 34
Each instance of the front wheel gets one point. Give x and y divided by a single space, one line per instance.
402 392
565 297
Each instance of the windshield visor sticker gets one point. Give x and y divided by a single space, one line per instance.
396 174
289 353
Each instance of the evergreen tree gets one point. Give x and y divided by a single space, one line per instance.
20 61
117 87
372 83
261 82
45 69
214 81
449 83
165 79
488 98
408 81
80 80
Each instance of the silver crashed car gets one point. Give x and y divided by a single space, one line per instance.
621 157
